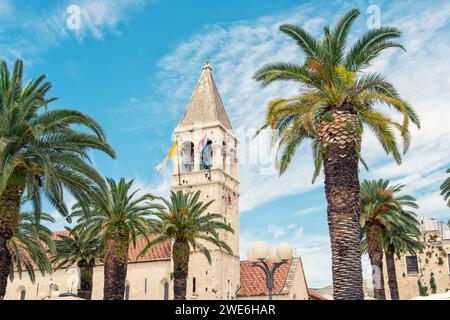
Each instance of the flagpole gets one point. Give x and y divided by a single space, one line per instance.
178 164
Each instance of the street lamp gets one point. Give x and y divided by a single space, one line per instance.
260 251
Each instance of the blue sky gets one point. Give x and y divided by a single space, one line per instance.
133 65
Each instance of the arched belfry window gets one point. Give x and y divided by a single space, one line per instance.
206 155
187 156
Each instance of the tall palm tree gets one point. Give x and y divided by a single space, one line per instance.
118 217
184 221
42 152
29 246
445 190
82 249
336 100
402 238
383 211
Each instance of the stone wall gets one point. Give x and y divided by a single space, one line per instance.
433 265
145 280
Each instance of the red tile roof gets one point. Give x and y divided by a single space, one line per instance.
315 296
161 251
253 279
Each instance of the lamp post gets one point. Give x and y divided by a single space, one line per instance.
260 251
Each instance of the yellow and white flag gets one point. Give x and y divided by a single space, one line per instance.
172 152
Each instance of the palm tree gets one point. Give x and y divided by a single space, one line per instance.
445 190
82 249
41 153
402 238
184 221
118 217
382 212
29 246
337 99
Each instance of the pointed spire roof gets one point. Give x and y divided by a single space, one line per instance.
205 104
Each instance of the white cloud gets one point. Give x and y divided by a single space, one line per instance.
314 250
421 75
160 188
276 231
307 211
36 29
237 50
100 16
432 204
6 8
422 182
60 221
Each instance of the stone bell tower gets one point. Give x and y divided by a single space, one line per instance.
207 161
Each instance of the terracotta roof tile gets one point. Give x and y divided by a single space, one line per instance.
253 279
161 251
315 296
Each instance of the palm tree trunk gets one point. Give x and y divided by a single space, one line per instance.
86 276
5 259
9 219
116 260
376 260
180 254
392 274
340 142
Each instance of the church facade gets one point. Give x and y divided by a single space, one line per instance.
206 160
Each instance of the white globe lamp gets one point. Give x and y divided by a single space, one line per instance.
284 251
260 250
273 256
251 256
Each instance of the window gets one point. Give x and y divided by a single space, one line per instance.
224 156
22 292
166 291
448 257
206 156
187 156
412 266
127 292
194 285
145 286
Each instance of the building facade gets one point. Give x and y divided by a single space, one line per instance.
428 272
206 160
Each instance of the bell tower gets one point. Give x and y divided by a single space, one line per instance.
206 160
